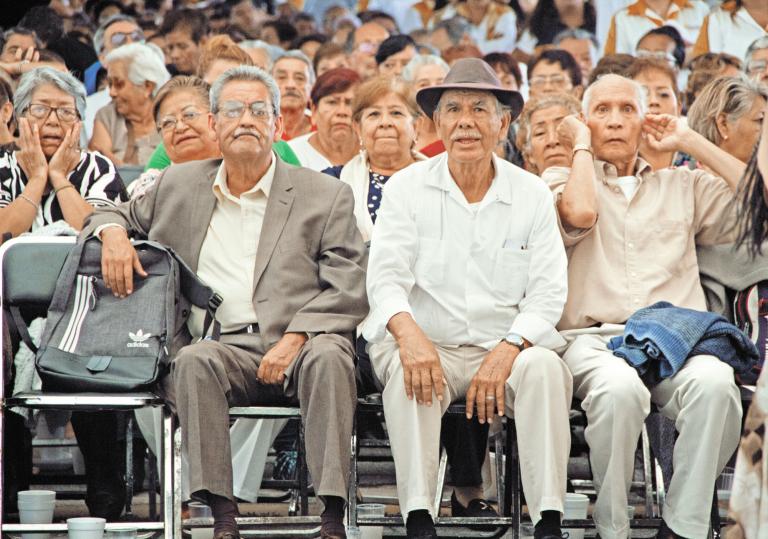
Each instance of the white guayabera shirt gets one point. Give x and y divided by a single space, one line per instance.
468 275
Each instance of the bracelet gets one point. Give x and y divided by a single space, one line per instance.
579 147
28 200
56 191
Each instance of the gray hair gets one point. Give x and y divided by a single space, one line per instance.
98 37
250 74
729 96
34 78
579 33
143 64
21 31
419 61
298 55
273 52
757 45
640 93
455 27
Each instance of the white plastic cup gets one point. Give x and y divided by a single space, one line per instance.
353 532
200 510
36 507
576 506
85 528
371 510
630 512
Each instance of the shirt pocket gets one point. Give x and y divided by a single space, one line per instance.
674 250
429 269
510 275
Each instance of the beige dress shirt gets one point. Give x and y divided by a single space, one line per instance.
642 249
228 254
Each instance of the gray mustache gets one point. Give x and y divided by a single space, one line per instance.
466 134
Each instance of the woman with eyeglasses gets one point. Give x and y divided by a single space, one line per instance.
180 111
124 130
49 178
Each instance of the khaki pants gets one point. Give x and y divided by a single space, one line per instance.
209 377
703 401
538 396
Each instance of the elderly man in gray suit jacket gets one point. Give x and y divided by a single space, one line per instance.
281 246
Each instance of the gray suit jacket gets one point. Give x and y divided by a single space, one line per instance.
310 261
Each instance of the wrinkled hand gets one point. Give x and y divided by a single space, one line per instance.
572 131
67 156
664 132
422 372
118 261
486 391
278 358
30 157
26 60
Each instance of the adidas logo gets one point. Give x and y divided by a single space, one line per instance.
138 339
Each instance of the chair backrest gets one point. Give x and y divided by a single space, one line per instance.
30 267
128 173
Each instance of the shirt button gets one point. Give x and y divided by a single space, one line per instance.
633 274
631 245
635 300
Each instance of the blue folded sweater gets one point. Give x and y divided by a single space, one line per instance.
659 339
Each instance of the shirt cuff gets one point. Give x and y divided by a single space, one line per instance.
101 228
375 327
537 331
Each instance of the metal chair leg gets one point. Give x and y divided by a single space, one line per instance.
352 490
647 472
170 517
513 506
129 479
152 480
498 449
440 483
301 457
172 503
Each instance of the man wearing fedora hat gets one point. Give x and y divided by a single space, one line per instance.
466 280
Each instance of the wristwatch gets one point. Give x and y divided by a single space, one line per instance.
515 340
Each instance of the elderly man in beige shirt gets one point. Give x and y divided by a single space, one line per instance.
631 236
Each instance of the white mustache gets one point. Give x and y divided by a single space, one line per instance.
466 134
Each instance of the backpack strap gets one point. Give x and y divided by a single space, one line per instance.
20 327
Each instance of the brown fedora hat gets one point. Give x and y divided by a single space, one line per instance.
469 74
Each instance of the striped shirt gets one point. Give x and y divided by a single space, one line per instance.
94 177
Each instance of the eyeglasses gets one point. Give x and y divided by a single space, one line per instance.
169 123
120 38
234 110
757 66
555 80
64 114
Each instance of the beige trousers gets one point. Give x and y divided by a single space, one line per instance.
703 401
538 396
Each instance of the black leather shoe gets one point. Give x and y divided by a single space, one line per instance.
419 525
477 508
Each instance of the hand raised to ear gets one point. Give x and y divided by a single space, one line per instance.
664 132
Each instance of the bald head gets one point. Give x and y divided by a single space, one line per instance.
612 84
370 33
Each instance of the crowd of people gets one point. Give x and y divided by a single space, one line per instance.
462 200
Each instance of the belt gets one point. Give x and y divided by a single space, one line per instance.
250 328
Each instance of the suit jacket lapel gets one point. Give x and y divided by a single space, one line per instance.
278 208
203 204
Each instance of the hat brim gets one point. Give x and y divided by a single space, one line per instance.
428 97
